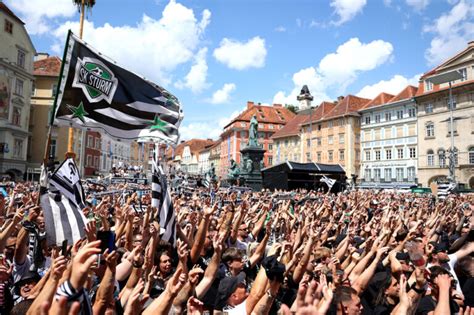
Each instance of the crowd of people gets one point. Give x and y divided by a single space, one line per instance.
301 252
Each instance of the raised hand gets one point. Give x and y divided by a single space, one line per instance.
91 231
194 306
58 267
82 262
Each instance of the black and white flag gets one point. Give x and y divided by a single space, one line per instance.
161 199
67 180
445 189
95 93
63 219
328 181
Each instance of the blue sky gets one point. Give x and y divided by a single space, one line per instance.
217 55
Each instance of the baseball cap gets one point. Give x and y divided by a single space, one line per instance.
227 286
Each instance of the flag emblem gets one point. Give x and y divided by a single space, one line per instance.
95 79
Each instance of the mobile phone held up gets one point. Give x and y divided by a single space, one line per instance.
107 240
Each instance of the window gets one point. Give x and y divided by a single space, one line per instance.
400 153
242 124
377 174
104 161
16 116
20 58
367 120
388 174
260 126
330 156
367 155
388 154
330 140
270 160
270 126
399 114
442 158
454 127
54 89
89 160
18 148
428 108
308 159
367 174
412 153
308 142
270 146
286 142
90 141
399 174
319 127
463 72
96 161
341 138
318 140
430 158
412 112
318 156
19 87
429 129
341 155
97 143
330 124
52 148
411 174
471 155
377 155
428 85
388 116
357 155
8 27
377 118
454 102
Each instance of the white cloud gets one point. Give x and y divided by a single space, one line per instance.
347 9
452 31
196 77
165 43
242 55
337 70
39 15
393 86
280 29
222 95
205 129
418 5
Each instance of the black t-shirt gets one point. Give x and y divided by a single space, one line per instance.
428 304
468 290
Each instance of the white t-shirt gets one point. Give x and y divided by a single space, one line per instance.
449 266
240 309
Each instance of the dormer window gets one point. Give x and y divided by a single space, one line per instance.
8 27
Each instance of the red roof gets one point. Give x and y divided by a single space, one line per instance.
380 99
348 105
292 128
50 67
408 92
4 8
195 145
319 112
275 114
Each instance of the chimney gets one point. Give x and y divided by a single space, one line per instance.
471 43
277 105
249 104
41 56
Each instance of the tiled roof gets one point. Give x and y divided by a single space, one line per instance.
380 99
319 112
4 8
47 67
408 92
195 145
349 105
275 114
292 128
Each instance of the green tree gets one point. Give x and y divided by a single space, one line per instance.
292 108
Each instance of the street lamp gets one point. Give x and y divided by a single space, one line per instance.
439 79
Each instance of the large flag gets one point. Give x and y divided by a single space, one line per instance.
445 189
328 181
96 93
63 219
67 181
161 198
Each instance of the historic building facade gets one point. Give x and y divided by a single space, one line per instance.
333 135
434 129
235 135
389 141
16 85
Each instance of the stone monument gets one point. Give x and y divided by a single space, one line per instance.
252 158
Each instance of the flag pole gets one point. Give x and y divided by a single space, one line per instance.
70 149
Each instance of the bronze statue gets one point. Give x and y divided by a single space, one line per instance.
234 170
253 132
